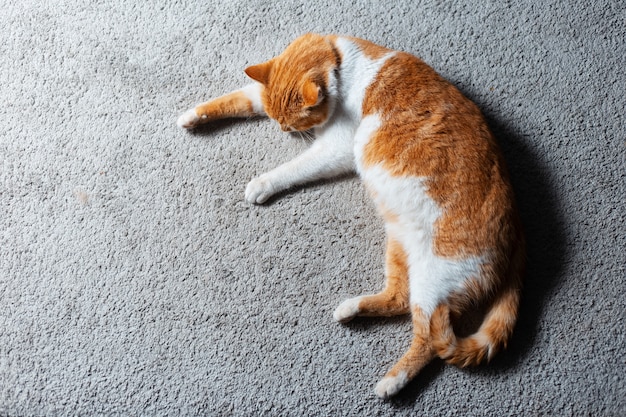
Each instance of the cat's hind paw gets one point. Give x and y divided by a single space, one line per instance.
391 385
347 310
188 119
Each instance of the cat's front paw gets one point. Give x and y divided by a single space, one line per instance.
188 119
259 190
347 310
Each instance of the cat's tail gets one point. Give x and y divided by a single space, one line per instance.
492 335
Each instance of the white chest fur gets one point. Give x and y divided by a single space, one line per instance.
357 73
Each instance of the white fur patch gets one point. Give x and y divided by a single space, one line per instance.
188 119
391 385
253 93
368 126
259 190
357 73
347 310
485 340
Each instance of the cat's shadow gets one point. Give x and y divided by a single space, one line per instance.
538 202
216 126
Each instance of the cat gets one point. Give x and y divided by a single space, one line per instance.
433 169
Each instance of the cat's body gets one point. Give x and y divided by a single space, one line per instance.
433 169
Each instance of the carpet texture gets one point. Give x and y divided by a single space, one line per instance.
134 279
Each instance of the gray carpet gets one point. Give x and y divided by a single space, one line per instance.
134 280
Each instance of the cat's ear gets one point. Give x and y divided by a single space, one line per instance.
260 72
311 94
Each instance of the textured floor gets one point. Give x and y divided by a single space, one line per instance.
134 280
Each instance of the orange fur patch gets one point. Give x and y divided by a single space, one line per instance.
370 49
394 299
420 352
235 104
492 335
429 129
295 80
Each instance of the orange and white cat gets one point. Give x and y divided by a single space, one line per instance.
433 169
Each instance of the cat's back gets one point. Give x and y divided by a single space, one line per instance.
420 133
421 116
415 111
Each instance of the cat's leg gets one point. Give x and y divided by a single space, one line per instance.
431 280
393 300
328 157
245 102
420 353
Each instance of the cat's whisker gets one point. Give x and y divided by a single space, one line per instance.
307 135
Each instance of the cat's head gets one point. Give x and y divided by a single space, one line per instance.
300 84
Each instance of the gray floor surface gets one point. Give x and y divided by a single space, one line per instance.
134 279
